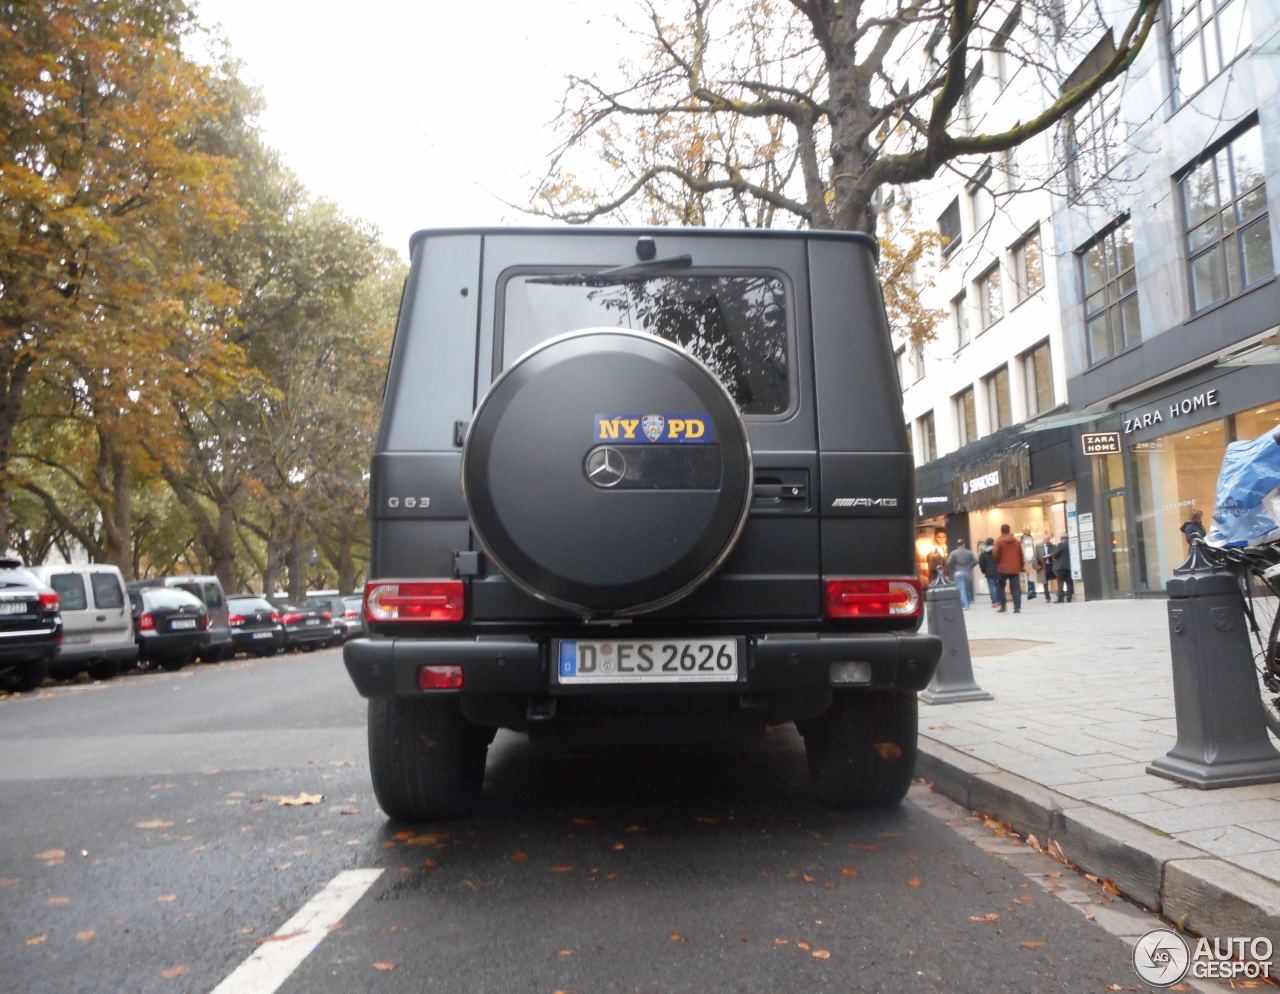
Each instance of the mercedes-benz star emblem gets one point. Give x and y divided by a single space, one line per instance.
606 467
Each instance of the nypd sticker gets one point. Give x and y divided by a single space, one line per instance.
646 429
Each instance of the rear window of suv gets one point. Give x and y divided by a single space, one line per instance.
735 323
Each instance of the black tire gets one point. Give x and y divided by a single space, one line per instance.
30 676
263 653
174 663
104 669
145 664
862 752
1268 659
426 759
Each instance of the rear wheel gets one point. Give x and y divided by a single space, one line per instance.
104 669
1267 656
862 752
426 759
30 676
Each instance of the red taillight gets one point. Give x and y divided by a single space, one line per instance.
204 621
275 617
147 623
292 618
236 620
326 616
350 615
48 603
873 598
439 677
415 600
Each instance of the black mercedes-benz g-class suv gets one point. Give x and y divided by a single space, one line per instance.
640 486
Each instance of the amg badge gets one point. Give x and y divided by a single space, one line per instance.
865 502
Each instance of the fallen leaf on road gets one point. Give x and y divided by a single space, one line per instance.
803 945
153 824
1114 987
583 821
562 868
618 847
173 971
1031 944
611 876
86 936
888 750
848 871
278 937
990 916
53 856
1110 887
634 828
166 898
867 846
519 856
821 954
384 964
300 800
10 881
914 882
677 937
808 878
427 839
235 793
782 942
431 863
707 820
1026 898
37 940
744 937
403 836
59 900
566 953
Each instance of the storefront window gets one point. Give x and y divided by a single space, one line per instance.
1169 477
1251 423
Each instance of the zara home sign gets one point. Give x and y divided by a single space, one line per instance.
1177 409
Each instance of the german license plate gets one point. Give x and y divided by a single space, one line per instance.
262 635
658 661
183 623
13 607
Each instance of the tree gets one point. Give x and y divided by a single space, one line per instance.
104 182
808 109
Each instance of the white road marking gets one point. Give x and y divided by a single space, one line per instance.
273 961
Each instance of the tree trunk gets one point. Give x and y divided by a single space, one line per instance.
222 553
345 564
117 518
296 558
277 551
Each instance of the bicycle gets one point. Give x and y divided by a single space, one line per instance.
1257 569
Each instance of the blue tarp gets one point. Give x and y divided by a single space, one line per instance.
1247 509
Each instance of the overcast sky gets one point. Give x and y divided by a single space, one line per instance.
415 115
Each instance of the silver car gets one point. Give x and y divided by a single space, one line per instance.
97 629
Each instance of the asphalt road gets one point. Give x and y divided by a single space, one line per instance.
144 847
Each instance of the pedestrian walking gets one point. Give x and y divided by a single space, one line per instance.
1193 527
960 566
1009 567
987 564
1029 558
1062 570
1044 565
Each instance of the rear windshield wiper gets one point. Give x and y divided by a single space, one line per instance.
618 274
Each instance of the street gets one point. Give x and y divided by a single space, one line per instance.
146 848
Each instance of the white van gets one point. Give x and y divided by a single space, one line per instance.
97 626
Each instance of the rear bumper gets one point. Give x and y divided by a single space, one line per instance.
248 641
383 668
31 647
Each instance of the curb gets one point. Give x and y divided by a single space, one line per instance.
1193 889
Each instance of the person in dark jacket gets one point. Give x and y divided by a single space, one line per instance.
1194 527
1010 564
1062 570
987 564
1044 564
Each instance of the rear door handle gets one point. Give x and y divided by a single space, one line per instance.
777 492
100 617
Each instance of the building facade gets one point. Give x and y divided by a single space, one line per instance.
1166 264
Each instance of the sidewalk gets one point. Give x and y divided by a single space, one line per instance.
1083 702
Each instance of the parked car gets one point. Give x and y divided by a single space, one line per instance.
209 590
305 628
30 626
97 627
641 486
255 625
171 626
346 619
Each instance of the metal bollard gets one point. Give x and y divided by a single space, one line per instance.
953 680
1222 735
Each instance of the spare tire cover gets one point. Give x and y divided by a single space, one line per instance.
608 472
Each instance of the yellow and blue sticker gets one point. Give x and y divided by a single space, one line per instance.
653 429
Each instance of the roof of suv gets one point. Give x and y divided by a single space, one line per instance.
853 236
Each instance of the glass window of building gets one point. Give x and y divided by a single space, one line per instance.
928 438
966 416
1028 265
1037 373
1205 36
916 355
981 198
1110 285
949 228
1224 198
990 301
999 408
1094 139
960 318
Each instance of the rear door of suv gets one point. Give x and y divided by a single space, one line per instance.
112 624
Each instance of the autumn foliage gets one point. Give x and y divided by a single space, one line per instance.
190 347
